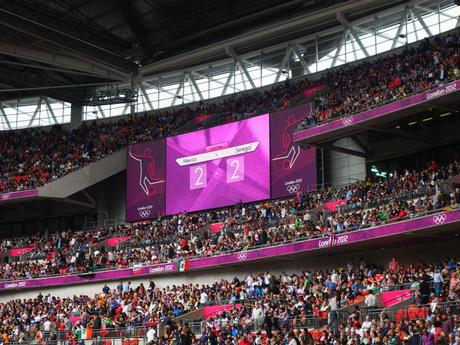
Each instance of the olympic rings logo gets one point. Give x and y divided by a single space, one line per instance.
439 218
144 213
242 256
5 196
347 121
293 188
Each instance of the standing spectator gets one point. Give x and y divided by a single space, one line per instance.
258 316
151 336
393 265
427 337
332 316
437 282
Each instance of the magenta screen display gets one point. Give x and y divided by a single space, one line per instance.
218 166
146 181
293 169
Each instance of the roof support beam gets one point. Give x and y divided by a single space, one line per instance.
5 117
99 108
126 108
283 63
229 79
240 62
374 32
420 19
259 35
342 19
179 88
246 73
48 105
412 15
66 41
400 27
339 48
304 64
39 105
217 81
146 96
195 86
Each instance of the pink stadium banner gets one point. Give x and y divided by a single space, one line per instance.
216 227
31 193
20 251
214 310
390 298
332 206
114 241
378 112
410 225
311 91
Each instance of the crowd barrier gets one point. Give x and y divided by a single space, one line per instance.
424 221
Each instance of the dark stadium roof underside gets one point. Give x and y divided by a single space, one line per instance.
66 42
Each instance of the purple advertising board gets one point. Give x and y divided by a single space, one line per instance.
378 112
410 225
30 193
292 168
146 181
218 166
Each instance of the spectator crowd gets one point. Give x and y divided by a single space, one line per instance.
366 204
355 89
265 306
38 156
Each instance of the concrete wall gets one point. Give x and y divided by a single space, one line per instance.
425 253
110 197
86 177
342 168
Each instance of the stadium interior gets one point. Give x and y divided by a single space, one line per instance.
230 172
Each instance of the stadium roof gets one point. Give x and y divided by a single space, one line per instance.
45 43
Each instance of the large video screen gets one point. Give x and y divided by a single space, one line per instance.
293 168
218 166
146 181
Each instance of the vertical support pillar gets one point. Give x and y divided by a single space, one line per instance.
132 109
76 115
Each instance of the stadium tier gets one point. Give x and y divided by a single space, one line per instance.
230 173
242 308
38 157
400 203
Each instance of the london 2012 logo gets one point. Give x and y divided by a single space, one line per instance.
439 218
347 121
144 213
293 188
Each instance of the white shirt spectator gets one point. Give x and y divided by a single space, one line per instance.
333 304
437 277
203 298
47 326
151 335
370 301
